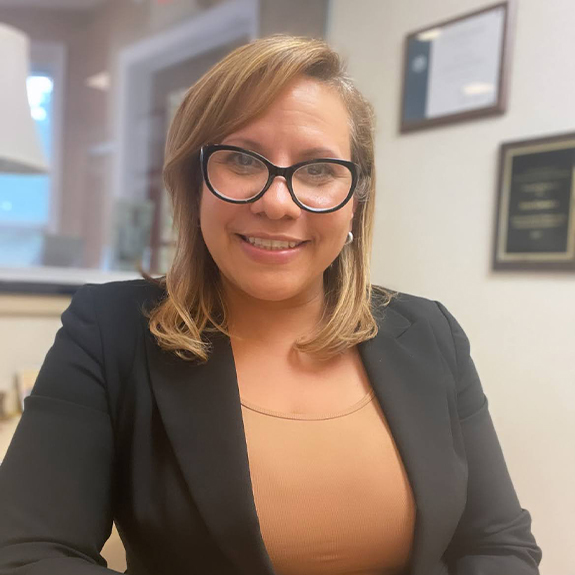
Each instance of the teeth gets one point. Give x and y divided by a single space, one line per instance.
271 244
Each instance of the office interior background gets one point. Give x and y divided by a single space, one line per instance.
103 82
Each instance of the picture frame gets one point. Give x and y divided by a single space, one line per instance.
535 214
458 69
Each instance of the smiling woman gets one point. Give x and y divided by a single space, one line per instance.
263 408
276 127
287 206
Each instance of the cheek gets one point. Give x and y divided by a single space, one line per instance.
206 204
332 232
337 225
212 213
216 221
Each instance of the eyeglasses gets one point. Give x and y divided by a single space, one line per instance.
241 176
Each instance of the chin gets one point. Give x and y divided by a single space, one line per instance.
271 288
271 292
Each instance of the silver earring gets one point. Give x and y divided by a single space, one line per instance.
349 239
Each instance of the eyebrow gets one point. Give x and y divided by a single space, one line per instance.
307 153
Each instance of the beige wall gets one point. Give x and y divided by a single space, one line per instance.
303 17
45 25
435 214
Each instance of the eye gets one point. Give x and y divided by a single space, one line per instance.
240 163
241 159
318 170
315 169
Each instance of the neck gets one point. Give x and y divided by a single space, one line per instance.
272 323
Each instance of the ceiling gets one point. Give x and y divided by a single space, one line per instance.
61 4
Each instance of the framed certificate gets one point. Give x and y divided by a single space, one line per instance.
456 70
535 224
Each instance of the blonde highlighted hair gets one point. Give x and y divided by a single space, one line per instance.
228 96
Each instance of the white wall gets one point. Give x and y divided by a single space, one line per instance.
435 217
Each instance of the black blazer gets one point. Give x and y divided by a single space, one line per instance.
117 429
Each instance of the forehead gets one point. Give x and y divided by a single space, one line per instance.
306 114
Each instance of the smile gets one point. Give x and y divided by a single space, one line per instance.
272 245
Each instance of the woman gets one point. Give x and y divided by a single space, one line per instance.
262 409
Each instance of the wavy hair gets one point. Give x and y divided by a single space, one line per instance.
227 97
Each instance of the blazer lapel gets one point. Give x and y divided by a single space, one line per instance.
408 374
201 411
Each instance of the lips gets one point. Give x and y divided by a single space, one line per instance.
272 244
270 256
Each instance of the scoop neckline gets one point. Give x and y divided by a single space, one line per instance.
310 416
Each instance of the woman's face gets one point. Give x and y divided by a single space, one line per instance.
308 120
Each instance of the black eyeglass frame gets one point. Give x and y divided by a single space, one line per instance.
274 171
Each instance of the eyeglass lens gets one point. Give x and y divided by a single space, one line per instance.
239 176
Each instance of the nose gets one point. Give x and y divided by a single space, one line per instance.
277 202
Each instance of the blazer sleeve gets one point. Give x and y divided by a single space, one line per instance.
494 533
56 480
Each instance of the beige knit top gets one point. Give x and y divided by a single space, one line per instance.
331 492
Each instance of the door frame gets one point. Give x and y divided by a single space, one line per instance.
137 64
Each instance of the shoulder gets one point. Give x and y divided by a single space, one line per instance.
139 290
118 298
109 319
117 309
411 307
407 309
